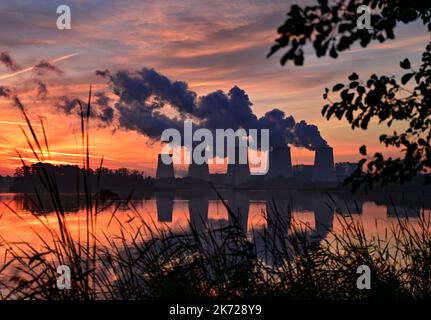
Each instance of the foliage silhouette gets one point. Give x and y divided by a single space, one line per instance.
332 27
66 176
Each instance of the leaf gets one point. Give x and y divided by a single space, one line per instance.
346 26
363 150
353 84
299 60
405 78
360 90
361 163
405 64
324 109
343 44
353 76
338 87
284 59
333 52
422 142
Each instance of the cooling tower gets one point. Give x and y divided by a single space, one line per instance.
164 170
323 170
280 163
199 171
237 173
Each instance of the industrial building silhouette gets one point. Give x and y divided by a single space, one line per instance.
324 170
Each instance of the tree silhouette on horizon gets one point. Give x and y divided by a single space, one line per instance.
331 27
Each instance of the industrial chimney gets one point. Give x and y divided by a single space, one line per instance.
237 172
164 170
199 171
280 163
323 170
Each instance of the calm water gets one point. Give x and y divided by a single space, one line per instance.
319 212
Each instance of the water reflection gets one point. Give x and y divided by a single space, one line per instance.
348 206
198 210
266 217
277 205
239 203
165 206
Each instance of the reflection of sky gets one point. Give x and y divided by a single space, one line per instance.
209 44
317 214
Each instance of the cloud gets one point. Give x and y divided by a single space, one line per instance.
99 109
42 90
142 93
139 86
5 92
41 68
103 73
7 60
69 106
44 66
146 121
105 111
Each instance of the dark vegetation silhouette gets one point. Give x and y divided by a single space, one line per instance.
331 28
70 178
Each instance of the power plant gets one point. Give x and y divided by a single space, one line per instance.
280 166
323 170
164 170
280 163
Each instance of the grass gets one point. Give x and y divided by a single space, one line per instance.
219 262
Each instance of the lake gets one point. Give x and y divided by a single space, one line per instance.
320 213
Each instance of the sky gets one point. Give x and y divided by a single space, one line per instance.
210 45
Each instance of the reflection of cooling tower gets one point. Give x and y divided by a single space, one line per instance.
198 209
238 203
164 170
323 218
237 172
403 212
165 206
278 214
347 207
324 165
199 171
280 163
